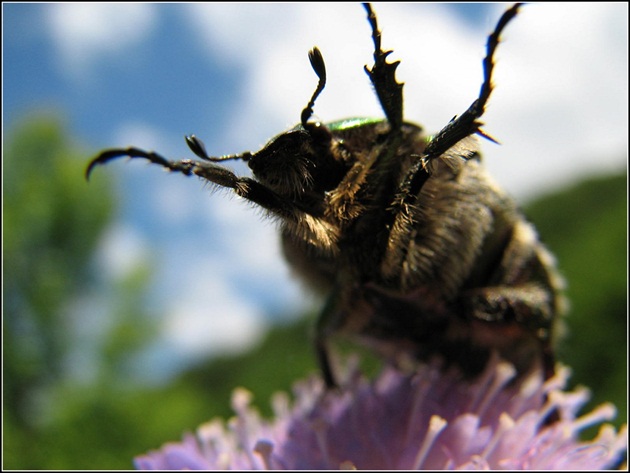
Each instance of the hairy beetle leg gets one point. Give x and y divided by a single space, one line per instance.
250 189
132 152
467 123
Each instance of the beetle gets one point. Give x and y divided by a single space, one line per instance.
419 252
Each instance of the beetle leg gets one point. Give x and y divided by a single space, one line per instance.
527 307
520 293
460 127
329 321
455 131
242 186
298 219
383 77
467 123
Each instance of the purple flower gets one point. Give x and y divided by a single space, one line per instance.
431 419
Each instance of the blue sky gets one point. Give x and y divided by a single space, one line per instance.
237 74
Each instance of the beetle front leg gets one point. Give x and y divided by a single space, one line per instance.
183 166
248 189
383 77
291 215
245 187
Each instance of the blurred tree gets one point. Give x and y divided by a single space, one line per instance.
52 224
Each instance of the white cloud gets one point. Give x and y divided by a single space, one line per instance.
84 31
121 251
174 198
212 319
139 133
561 103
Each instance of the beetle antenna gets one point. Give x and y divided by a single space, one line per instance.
197 147
318 65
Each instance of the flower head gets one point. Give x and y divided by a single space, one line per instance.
432 419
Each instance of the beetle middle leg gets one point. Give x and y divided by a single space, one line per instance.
458 128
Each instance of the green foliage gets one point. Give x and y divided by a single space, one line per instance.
586 228
52 223
285 356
